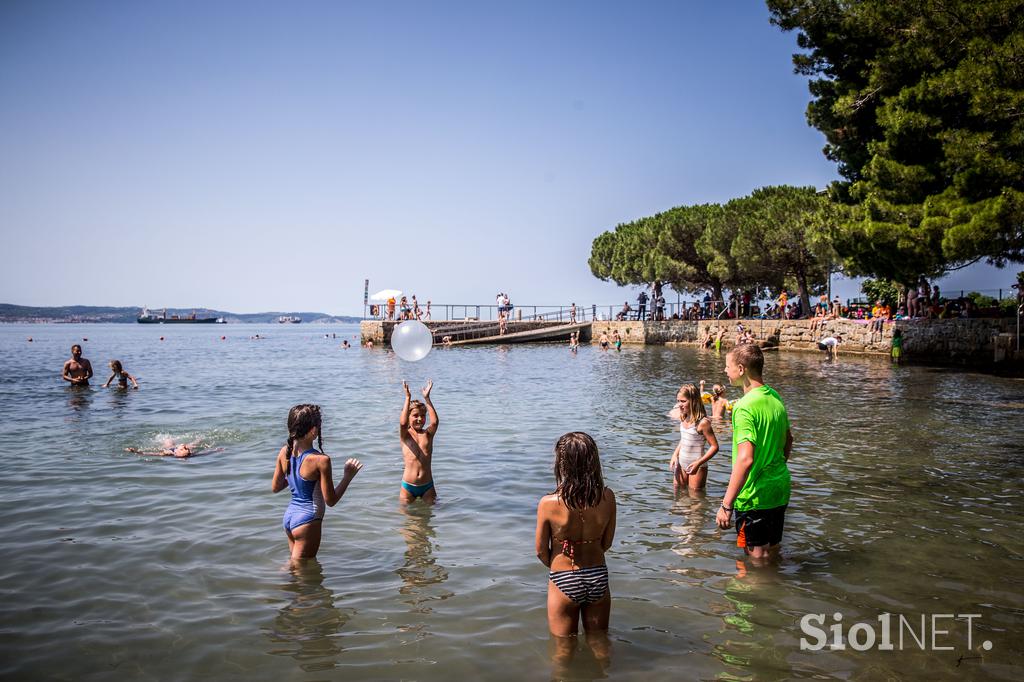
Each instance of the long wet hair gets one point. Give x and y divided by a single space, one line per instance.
301 419
694 404
115 366
578 477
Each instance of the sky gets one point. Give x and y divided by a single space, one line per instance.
254 156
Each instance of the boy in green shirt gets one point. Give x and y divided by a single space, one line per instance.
761 443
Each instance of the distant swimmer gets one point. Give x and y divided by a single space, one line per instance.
123 377
719 403
172 449
345 344
307 472
77 370
417 438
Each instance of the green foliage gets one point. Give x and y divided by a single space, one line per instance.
922 106
759 241
784 232
883 290
981 300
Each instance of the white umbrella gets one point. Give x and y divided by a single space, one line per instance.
383 295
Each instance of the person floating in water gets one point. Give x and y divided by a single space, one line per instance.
307 472
77 370
123 377
417 446
575 527
172 449
689 463
759 486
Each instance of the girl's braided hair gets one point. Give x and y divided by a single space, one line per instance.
301 419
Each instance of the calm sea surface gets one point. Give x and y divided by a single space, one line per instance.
907 489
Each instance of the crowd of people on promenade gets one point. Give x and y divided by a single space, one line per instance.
404 309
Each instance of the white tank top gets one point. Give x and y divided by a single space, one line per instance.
691 444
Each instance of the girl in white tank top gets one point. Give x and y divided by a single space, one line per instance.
689 461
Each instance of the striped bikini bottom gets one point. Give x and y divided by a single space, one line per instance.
584 585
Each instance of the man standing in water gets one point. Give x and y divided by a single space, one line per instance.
759 486
77 370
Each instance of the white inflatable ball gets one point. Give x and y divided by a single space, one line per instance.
411 340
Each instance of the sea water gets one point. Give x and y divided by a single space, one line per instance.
906 500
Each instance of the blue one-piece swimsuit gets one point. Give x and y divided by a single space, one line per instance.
307 503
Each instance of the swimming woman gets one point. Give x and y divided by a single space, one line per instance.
307 472
575 527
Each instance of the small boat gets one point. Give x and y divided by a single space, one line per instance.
162 318
289 319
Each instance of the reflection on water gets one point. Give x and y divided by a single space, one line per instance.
586 657
79 400
307 628
420 569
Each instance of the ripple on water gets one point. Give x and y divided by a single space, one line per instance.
906 500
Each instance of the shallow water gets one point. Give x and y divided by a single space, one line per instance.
907 499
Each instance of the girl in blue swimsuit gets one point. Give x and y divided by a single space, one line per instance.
575 527
306 471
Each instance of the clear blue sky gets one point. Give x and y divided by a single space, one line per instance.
255 156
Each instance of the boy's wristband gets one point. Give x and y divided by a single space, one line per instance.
728 509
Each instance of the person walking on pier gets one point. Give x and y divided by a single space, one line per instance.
641 306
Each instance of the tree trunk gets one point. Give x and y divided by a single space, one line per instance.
805 299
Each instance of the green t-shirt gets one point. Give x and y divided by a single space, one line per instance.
759 417
897 342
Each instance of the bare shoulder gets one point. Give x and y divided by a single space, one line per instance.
609 494
547 502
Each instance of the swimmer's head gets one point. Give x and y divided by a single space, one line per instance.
690 404
76 351
718 390
115 366
578 471
744 360
417 414
183 451
301 420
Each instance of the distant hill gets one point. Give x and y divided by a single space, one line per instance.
88 313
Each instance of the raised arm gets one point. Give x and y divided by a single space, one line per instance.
431 412
280 481
403 418
332 493
542 537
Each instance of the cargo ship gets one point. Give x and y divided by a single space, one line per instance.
162 318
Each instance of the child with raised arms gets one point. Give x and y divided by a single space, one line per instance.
689 463
417 438
307 472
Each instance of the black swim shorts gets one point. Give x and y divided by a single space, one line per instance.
760 527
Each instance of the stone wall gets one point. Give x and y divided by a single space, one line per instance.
955 341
